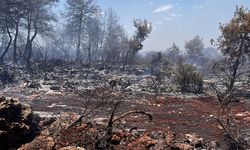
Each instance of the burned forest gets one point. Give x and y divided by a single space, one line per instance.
124 75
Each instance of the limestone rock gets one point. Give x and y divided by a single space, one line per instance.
41 142
17 123
72 148
194 139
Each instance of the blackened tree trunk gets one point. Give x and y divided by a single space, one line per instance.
125 61
15 41
89 55
8 45
28 46
78 48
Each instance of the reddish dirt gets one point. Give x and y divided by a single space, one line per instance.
183 116
196 115
192 115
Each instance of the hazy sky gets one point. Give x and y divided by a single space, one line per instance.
175 20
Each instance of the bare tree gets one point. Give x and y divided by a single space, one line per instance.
6 24
19 11
94 32
38 19
114 36
77 13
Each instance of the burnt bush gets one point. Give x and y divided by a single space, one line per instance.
188 79
5 76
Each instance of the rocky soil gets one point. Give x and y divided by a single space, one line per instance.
179 120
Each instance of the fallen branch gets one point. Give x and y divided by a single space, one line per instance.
189 124
225 129
103 141
79 120
236 141
110 124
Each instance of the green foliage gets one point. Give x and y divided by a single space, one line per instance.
234 42
194 48
232 71
188 79
174 53
143 29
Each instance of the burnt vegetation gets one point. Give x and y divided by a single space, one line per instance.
91 86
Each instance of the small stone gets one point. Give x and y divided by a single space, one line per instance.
34 85
100 121
115 140
183 146
213 145
55 88
41 142
72 148
52 105
194 139
220 127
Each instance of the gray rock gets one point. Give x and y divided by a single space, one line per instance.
55 88
34 85
20 125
